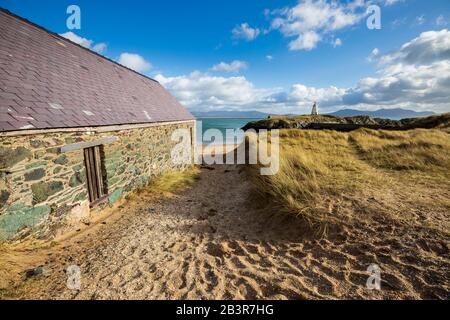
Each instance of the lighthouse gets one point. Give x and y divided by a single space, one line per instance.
315 109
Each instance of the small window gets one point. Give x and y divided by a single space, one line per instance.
95 177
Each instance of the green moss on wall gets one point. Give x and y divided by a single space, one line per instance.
10 157
4 196
35 175
77 179
20 216
116 195
43 190
62 160
81 196
36 164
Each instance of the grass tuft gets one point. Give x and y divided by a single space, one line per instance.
320 169
174 181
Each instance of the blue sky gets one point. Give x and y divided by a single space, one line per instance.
275 69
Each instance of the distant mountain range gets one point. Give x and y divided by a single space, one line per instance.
394 114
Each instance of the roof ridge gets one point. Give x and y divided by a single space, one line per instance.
54 34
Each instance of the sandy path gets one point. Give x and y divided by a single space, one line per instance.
209 242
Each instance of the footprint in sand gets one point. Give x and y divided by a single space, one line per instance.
215 250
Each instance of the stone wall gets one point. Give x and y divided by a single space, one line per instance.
44 191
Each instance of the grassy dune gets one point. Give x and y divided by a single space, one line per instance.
327 176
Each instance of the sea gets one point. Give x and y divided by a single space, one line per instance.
221 124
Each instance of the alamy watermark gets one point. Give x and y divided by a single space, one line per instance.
73 277
74 20
262 148
374 280
373 21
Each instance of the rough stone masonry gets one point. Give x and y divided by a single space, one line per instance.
43 191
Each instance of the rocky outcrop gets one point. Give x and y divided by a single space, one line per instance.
348 123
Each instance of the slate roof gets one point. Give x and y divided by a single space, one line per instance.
47 81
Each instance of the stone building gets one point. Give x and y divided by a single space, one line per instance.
77 131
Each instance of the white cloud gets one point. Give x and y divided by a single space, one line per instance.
305 96
269 57
420 20
244 31
419 86
417 75
99 47
307 41
233 66
135 62
440 21
77 39
392 2
203 91
429 47
312 21
309 21
398 22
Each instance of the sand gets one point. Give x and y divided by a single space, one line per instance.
216 240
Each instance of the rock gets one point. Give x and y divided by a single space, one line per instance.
77 167
37 272
116 195
70 140
4 196
38 143
77 179
62 159
52 150
62 210
81 196
35 175
43 190
57 170
330 122
20 217
9 157
36 164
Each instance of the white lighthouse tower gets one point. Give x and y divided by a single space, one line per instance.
315 109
